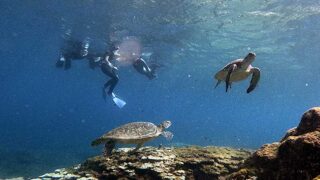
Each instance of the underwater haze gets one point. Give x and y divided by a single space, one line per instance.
49 116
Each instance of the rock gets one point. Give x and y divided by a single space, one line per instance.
167 163
267 155
66 174
71 176
87 178
50 175
296 156
290 132
15 178
310 121
151 163
299 156
146 166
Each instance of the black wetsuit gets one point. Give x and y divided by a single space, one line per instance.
141 66
111 71
74 49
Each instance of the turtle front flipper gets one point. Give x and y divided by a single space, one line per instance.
108 147
255 79
98 141
230 70
167 134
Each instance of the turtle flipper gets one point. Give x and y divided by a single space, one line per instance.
230 70
138 147
218 82
97 142
108 147
167 134
255 79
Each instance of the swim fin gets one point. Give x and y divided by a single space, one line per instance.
60 61
119 102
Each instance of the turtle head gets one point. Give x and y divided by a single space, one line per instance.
165 124
249 58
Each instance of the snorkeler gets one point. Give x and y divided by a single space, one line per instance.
110 70
141 66
74 49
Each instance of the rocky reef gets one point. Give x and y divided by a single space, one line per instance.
296 156
158 163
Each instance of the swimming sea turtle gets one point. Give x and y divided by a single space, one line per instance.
238 70
133 133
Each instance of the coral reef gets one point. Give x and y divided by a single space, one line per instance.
66 174
167 163
153 163
296 156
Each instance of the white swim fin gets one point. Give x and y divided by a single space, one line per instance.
119 102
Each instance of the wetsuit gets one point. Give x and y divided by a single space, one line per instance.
110 70
73 49
141 66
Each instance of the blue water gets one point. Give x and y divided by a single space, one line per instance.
49 116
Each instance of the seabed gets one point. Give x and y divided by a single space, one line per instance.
295 156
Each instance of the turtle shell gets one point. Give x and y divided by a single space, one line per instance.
132 131
237 75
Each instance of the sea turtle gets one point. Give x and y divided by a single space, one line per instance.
133 133
238 70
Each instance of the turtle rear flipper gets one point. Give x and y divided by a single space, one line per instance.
138 147
218 82
255 79
230 70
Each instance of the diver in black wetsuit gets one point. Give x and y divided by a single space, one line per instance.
73 49
141 66
110 70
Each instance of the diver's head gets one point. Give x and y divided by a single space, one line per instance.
113 48
85 47
137 59
84 52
